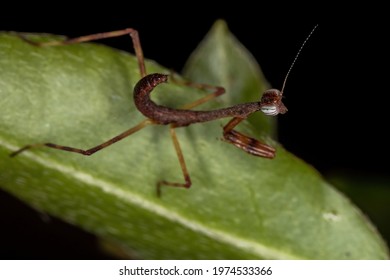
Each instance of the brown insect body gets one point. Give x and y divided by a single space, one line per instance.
270 104
179 117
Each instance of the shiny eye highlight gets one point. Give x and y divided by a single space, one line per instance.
271 103
270 110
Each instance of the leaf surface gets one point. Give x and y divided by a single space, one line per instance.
239 207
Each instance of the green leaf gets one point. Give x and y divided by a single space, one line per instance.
222 60
370 192
239 207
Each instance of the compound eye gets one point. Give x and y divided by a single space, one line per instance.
270 110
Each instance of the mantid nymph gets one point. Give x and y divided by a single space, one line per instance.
270 104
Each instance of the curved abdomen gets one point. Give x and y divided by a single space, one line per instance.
166 115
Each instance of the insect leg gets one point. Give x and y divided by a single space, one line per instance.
244 142
128 31
215 91
91 150
183 166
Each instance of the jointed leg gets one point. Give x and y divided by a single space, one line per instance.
89 151
246 143
140 57
183 166
216 91
128 31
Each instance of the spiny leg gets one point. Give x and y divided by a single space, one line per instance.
128 31
91 150
183 166
246 143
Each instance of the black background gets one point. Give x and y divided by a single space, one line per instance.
336 95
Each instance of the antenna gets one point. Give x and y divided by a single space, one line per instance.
295 58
